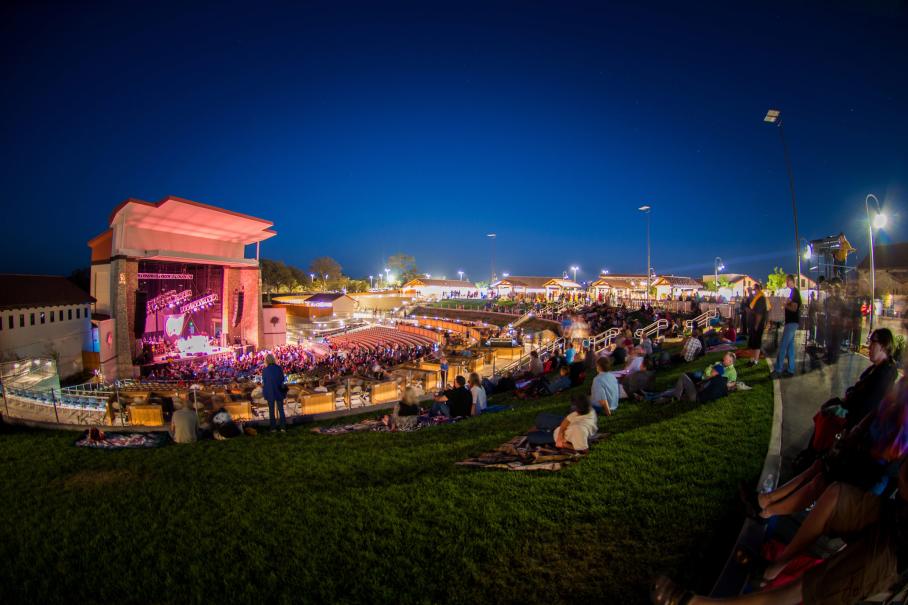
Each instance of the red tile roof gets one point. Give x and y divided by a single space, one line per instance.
29 291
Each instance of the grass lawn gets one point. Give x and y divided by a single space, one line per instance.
382 518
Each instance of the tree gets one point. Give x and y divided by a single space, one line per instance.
776 280
712 286
325 265
403 265
276 275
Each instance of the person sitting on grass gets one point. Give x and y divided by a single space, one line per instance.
541 387
569 432
184 424
691 348
870 563
477 395
637 383
406 412
223 426
536 366
458 401
605 391
686 389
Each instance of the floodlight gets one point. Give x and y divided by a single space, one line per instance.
772 116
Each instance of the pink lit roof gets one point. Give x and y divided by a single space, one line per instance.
177 215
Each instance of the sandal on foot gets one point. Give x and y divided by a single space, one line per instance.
670 593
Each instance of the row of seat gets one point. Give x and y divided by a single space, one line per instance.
376 338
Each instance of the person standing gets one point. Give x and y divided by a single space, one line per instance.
443 369
758 312
274 390
792 320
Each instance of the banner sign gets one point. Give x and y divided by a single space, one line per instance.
165 276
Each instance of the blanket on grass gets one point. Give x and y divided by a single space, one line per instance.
519 455
116 441
380 425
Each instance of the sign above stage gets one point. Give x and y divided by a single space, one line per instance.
165 276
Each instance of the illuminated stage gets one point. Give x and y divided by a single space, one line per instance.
172 281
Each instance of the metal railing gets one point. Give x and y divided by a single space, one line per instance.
544 350
604 339
701 320
654 328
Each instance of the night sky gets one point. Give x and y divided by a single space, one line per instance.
364 130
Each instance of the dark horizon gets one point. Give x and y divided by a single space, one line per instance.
363 131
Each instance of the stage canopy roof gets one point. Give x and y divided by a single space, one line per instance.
181 216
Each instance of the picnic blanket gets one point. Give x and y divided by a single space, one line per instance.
519 455
116 441
726 346
380 425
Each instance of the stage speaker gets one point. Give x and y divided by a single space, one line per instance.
138 328
238 308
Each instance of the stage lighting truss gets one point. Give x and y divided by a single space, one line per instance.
167 300
199 303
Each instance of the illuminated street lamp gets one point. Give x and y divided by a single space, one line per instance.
718 265
428 276
387 271
370 282
604 271
460 273
312 278
877 222
774 116
575 269
326 281
646 209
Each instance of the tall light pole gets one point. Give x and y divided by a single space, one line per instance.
718 265
575 268
877 222
326 281
312 279
646 209
492 237
387 272
460 273
370 282
774 116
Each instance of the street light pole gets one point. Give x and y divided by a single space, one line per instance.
645 209
718 265
774 116
575 268
370 282
878 221
492 237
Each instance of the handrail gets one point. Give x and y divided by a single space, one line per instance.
523 318
655 327
604 339
525 359
702 319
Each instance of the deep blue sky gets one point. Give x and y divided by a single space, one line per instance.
366 129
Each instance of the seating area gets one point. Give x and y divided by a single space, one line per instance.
373 339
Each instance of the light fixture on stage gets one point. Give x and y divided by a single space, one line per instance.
199 303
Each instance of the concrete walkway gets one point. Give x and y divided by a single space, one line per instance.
803 394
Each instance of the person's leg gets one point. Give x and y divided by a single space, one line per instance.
798 500
787 348
679 387
280 407
271 413
780 493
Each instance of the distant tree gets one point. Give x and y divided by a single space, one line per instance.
404 266
776 279
325 265
276 276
